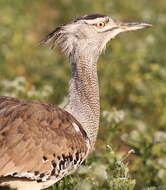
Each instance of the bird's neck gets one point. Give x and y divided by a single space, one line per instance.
84 102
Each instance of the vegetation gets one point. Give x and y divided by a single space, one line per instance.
132 86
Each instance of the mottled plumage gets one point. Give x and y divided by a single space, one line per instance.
47 152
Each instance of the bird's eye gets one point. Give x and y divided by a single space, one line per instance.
100 24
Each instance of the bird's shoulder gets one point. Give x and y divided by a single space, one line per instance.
39 141
47 115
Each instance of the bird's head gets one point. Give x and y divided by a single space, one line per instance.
89 33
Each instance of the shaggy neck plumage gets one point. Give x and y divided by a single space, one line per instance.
84 92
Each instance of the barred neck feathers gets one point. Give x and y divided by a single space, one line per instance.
84 92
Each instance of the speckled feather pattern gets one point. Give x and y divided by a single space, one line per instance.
38 141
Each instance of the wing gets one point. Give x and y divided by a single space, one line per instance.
39 141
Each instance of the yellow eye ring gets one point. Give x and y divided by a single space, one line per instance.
100 24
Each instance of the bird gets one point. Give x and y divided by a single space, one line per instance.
41 143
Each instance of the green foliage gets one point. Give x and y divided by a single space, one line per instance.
132 86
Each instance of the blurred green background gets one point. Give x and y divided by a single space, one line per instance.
132 75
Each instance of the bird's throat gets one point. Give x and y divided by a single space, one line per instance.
84 102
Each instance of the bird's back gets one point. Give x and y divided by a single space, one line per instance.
39 141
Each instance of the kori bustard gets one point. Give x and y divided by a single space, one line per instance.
41 143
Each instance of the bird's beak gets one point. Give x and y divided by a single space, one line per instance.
117 27
130 26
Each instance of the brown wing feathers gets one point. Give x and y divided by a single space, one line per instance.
38 141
